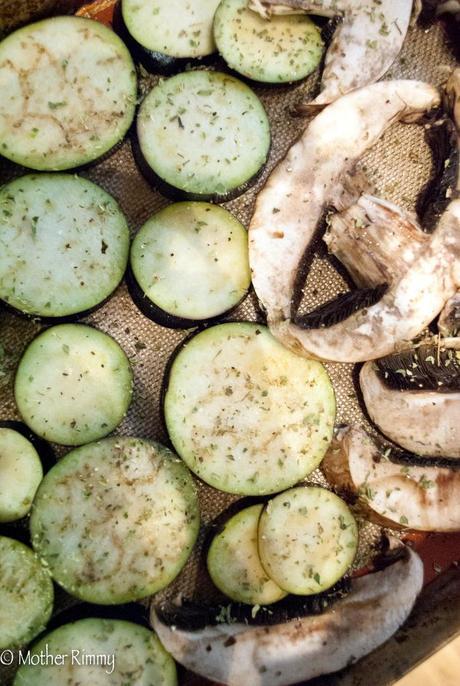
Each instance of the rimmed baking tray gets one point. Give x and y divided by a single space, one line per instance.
398 167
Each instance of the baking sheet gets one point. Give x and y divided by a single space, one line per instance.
398 167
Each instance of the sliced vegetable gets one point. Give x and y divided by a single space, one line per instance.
202 135
281 49
99 652
307 539
26 594
69 88
115 520
234 564
73 384
170 32
190 263
64 244
20 475
247 415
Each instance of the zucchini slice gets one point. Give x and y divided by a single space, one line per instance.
247 415
99 652
308 538
116 520
281 49
20 475
190 262
234 564
26 594
64 245
69 91
170 32
202 135
73 384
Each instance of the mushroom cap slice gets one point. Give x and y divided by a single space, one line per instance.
417 497
405 309
312 176
414 398
302 649
365 43
375 240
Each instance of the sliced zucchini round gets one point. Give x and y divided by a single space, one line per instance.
307 539
115 520
171 29
247 415
26 594
203 135
281 49
20 475
234 564
69 91
64 244
73 384
190 262
98 652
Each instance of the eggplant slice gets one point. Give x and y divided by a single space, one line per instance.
301 649
414 398
401 494
365 44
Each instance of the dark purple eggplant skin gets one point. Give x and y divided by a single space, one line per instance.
43 448
153 61
450 22
441 136
196 615
340 308
66 319
160 316
173 193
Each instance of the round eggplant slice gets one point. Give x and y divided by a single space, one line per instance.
401 494
414 398
73 384
99 652
308 539
244 413
190 263
365 43
280 50
26 594
171 32
130 520
64 245
290 206
72 90
234 563
21 472
203 135
298 650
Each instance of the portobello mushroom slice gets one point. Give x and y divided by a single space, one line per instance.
313 176
449 319
413 396
401 494
375 240
301 649
365 43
